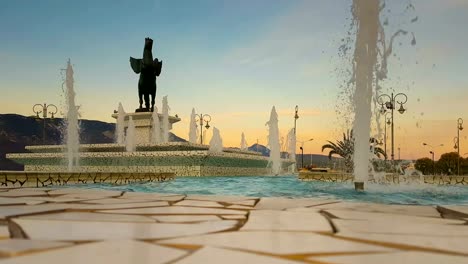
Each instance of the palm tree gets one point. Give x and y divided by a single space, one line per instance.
345 149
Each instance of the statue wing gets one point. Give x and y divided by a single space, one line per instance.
136 64
157 66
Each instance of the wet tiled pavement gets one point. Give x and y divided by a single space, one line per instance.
91 226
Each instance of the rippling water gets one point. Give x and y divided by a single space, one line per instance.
291 187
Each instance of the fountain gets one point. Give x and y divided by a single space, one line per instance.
156 133
216 142
165 122
193 128
291 144
120 128
273 142
130 136
71 122
243 144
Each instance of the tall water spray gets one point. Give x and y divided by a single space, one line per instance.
366 17
291 144
165 121
120 125
273 142
71 122
130 137
216 142
243 144
193 128
156 133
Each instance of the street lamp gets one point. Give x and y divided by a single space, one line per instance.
387 122
433 162
203 118
432 152
39 108
296 116
302 150
459 128
390 104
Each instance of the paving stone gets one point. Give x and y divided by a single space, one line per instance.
240 207
226 256
390 218
233 217
185 218
117 206
286 221
414 210
25 193
85 216
250 203
447 243
402 227
115 252
88 196
176 210
116 201
82 192
90 231
394 257
198 203
12 247
150 196
58 199
219 198
4 233
20 201
459 209
9 211
275 203
276 242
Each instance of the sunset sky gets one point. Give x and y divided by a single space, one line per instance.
235 60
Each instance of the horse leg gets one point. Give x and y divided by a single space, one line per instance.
152 101
140 97
147 100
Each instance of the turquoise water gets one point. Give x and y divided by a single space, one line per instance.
291 187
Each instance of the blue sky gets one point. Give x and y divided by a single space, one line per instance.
233 60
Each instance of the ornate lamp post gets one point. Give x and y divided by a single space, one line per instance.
203 119
387 122
38 109
459 128
296 116
388 102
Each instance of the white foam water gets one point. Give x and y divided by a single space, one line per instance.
243 143
165 120
291 144
193 128
156 131
130 136
216 142
274 143
120 128
72 127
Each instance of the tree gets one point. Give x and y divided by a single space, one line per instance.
424 165
345 149
448 162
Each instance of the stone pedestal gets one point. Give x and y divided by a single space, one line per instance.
143 125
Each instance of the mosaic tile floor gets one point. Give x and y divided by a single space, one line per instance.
91 226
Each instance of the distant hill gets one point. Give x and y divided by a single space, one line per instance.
17 131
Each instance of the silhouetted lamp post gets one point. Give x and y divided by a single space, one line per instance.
203 119
459 128
302 151
432 152
302 156
44 108
387 122
388 102
296 116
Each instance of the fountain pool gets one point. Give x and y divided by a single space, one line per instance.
292 187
